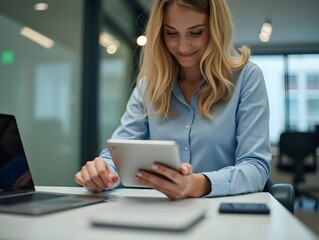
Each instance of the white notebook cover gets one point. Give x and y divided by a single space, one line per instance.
153 213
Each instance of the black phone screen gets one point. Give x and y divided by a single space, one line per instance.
244 208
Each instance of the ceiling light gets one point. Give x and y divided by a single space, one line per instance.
41 6
107 39
37 37
141 40
265 32
267 28
264 37
109 42
111 49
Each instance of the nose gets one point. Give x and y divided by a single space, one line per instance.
184 44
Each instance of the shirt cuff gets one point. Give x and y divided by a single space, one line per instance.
219 184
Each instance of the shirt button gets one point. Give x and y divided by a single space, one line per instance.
186 148
187 126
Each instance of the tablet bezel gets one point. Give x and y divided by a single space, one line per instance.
131 155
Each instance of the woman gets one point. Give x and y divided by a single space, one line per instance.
196 89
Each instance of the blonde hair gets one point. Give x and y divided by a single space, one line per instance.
218 62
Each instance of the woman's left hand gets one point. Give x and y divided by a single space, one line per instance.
175 185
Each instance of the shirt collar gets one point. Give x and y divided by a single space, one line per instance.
177 90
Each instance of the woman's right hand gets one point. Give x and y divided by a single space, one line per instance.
96 175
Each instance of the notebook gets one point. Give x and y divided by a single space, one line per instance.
17 190
148 213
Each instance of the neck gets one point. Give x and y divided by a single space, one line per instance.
190 75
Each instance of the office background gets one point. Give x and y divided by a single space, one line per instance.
68 96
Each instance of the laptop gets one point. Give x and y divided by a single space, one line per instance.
17 190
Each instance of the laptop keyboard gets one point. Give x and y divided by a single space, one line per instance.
27 198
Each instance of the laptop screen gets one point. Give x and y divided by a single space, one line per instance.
14 171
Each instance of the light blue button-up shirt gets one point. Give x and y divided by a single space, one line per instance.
232 149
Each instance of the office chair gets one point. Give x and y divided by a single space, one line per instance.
297 147
283 192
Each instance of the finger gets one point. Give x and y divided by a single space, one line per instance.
95 179
167 172
114 178
88 181
108 177
78 178
152 180
103 172
185 168
164 185
158 184
90 176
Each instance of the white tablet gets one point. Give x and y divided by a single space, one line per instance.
131 155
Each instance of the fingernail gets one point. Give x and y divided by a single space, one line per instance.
139 174
154 167
114 179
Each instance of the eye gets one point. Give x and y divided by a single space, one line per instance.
171 33
195 33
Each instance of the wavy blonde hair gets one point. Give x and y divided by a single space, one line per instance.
218 62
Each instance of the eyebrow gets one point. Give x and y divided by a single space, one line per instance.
192 27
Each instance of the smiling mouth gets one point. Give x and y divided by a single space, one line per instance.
186 55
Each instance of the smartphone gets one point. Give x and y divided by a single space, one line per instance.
244 208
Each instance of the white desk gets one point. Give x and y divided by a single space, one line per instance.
74 224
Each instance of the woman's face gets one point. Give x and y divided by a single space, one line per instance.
186 34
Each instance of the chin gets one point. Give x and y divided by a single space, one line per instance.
186 64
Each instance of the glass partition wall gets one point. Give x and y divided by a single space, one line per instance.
48 81
293 87
40 83
116 79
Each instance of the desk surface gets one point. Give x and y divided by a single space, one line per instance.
75 224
